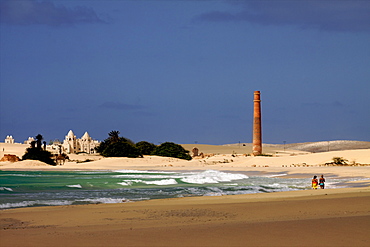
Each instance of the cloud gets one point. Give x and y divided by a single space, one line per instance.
32 12
324 15
120 106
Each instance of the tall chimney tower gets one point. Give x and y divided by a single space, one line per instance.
257 129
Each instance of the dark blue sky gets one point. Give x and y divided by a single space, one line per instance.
185 71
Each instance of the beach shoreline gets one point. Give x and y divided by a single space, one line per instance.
336 217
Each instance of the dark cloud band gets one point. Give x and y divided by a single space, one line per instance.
324 15
31 12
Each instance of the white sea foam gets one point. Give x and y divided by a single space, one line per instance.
103 200
75 186
130 182
25 175
275 175
124 184
145 176
93 172
162 182
204 183
194 191
214 194
212 177
206 177
15 205
36 202
277 185
60 202
6 188
137 171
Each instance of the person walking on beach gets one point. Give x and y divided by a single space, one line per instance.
322 182
314 182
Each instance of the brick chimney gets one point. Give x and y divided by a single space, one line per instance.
257 127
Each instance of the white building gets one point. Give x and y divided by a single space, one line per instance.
9 139
30 139
85 144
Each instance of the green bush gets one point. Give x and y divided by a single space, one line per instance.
121 149
115 146
339 161
265 155
145 148
38 154
102 146
170 149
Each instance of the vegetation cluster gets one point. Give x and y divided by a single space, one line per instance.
116 146
39 152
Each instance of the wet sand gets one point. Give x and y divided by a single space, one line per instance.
336 217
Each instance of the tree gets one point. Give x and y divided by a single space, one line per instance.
39 139
121 149
116 146
35 152
145 148
170 149
114 136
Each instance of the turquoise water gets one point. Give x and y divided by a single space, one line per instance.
47 188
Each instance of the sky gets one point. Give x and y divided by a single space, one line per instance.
185 71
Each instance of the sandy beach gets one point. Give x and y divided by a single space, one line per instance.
330 217
301 218
223 158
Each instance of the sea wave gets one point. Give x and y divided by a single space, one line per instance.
162 182
66 188
35 203
275 175
205 177
79 186
212 177
140 172
130 182
6 188
103 200
145 176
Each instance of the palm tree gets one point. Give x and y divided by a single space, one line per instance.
33 144
39 138
114 136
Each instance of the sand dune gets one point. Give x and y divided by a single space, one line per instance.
226 158
325 146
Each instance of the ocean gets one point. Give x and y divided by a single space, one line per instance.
49 188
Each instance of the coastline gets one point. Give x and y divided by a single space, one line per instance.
337 217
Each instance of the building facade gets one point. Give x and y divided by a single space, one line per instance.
29 140
9 139
85 144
